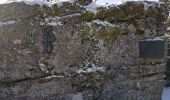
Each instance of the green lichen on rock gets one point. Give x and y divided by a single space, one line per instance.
106 33
88 16
133 10
85 31
138 7
167 2
152 12
35 15
54 10
111 14
122 12
101 15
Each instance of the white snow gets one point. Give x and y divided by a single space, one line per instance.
2 23
54 76
50 2
91 69
158 38
40 2
91 7
166 93
57 21
105 3
43 67
104 23
117 2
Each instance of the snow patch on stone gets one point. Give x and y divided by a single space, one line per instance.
55 23
51 2
76 14
43 67
40 2
91 7
3 23
17 41
54 76
158 38
104 23
91 69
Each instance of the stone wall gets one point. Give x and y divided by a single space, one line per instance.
167 78
71 52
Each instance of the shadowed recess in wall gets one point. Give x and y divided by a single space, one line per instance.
48 39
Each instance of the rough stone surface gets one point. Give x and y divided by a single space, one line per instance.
84 2
167 78
68 53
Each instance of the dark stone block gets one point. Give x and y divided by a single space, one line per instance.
151 49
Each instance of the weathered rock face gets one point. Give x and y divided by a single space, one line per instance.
167 2
68 53
84 2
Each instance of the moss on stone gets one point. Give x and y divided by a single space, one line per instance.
88 16
122 12
101 15
110 15
152 12
138 7
85 31
38 14
54 11
133 10
109 33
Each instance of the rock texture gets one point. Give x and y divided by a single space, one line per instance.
167 78
66 52
167 2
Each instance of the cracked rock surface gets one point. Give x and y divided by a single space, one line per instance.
65 52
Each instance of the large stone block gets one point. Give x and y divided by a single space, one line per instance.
65 52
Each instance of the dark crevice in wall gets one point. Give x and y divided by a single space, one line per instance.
152 74
48 39
24 80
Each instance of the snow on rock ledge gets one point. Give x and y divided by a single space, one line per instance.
84 2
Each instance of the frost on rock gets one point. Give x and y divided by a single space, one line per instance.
168 29
40 2
2 23
92 8
93 68
108 3
104 23
57 21
43 67
54 76
158 38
